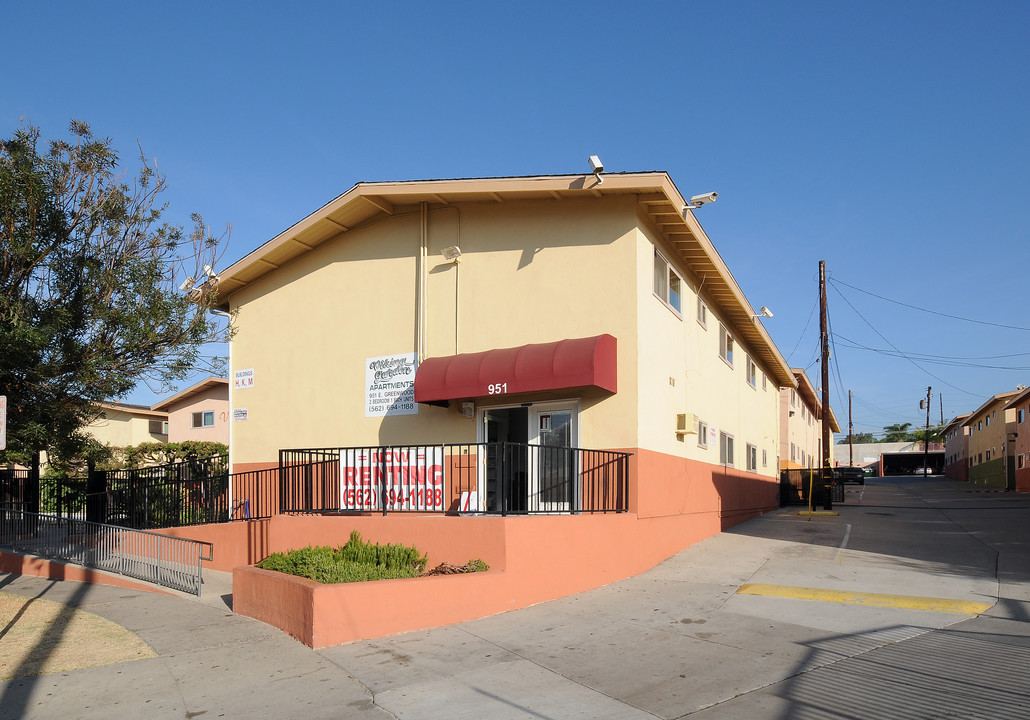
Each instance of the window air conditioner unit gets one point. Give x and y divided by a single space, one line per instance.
686 424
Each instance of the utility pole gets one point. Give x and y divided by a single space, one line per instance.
851 435
825 342
926 438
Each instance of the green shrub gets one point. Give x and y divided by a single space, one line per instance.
356 561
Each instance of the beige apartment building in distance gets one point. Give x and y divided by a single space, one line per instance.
801 425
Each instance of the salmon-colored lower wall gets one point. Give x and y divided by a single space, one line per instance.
666 485
544 558
53 570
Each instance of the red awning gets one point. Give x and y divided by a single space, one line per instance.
582 362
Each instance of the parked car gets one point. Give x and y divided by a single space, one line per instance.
920 471
849 475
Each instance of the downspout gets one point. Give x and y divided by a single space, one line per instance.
423 259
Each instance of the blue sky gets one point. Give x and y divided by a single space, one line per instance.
888 139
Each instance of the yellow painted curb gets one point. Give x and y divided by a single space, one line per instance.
818 512
908 602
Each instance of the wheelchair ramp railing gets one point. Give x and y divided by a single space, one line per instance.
165 560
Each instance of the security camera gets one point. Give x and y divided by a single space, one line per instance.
705 198
596 166
766 312
187 284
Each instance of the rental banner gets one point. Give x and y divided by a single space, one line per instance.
414 478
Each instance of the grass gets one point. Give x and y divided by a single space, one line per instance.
42 637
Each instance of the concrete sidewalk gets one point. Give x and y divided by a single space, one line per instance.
679 640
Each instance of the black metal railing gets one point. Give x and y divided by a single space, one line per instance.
494 478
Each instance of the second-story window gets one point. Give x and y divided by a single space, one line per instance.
752 373
725 344
668 285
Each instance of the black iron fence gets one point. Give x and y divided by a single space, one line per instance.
189 492
468 478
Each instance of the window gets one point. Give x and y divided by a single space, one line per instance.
158 427
668 285
988 456
1019 461
765 381
204 419
804 412
1021 415
765 458
980 426
726 449
702 434
793 398
725 345
752 373
752 457
702 313
988 421
793 452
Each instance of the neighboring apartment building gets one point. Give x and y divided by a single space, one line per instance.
956 449
801 425
989 447
1017 412
121 424
551 310
200 412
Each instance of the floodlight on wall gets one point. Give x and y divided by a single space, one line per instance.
597 167
451 254
468 409
698 200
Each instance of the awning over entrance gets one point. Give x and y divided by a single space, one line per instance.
580 362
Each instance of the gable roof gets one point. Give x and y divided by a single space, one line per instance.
656 195
192 390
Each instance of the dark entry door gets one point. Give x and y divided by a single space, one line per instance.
507 478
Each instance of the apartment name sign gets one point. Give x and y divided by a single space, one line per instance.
390 385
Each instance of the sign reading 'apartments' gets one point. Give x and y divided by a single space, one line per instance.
390 385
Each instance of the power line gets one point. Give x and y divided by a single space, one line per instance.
927 310
900 354
937 359
809 320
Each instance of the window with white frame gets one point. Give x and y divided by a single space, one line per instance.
793 452
765 458
725 449
203 419
725 345
702 313
752 373
752 457
668 285
793 398
765 381
1021 415
702 434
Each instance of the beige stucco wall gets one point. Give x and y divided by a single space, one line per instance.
803 429
120 428
681 371
180 416
530 272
